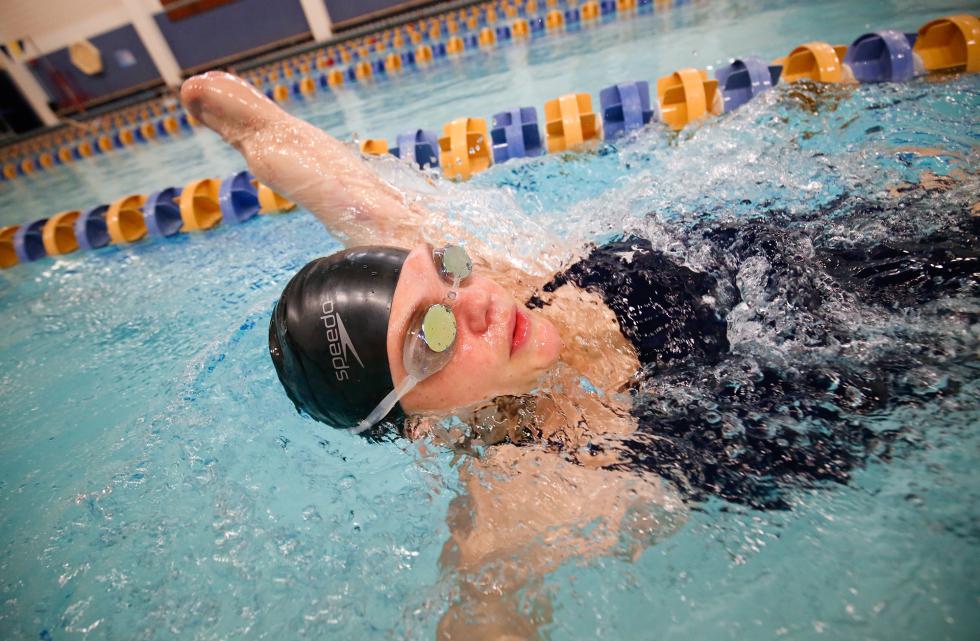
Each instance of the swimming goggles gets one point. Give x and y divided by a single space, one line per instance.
431 334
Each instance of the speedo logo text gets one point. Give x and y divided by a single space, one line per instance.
339 343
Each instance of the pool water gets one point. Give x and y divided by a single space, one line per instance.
155 482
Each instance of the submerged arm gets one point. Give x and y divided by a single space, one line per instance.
527 511
303 162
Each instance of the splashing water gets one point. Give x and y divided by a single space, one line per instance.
156 482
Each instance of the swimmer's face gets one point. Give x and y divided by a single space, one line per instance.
501 346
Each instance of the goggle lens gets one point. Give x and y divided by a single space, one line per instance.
428 346
454 263
439 328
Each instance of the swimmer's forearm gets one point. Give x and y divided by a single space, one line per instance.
327 177
299 160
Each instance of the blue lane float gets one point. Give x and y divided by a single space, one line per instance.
420 146
882 56
515 134
91 230
744 79
161 212
625 107
28 241
238 198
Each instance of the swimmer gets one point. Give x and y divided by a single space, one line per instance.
395 333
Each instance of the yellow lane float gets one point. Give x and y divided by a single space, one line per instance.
362 70
335 78
171 125
8 255
464 148
280 93
590 11
374 146
554 20
454 45
124 219
520 28
393 63
816 61
199 205
950 43
423 55
58 233
148 131
570 122
687 95
270 202
487 37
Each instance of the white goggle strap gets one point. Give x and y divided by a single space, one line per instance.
386 404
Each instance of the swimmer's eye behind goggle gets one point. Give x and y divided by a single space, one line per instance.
431 335
453 263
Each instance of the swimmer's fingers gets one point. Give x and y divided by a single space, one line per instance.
228 105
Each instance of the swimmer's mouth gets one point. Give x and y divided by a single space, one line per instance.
521 329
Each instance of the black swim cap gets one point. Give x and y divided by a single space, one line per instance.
328 333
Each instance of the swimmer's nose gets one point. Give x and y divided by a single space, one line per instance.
473 310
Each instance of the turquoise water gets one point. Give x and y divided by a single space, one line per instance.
155 482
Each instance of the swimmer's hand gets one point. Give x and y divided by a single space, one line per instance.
302 162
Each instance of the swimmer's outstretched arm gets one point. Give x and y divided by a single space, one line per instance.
302 162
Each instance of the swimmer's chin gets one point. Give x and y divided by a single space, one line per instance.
547 343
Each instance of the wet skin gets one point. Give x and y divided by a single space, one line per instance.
525 510
501 346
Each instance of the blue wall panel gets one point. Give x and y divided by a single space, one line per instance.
114 77
231 29
344 10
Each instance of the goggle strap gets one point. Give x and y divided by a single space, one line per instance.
386 404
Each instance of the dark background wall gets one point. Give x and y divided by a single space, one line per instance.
114 77
347 10
14 109
232 29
